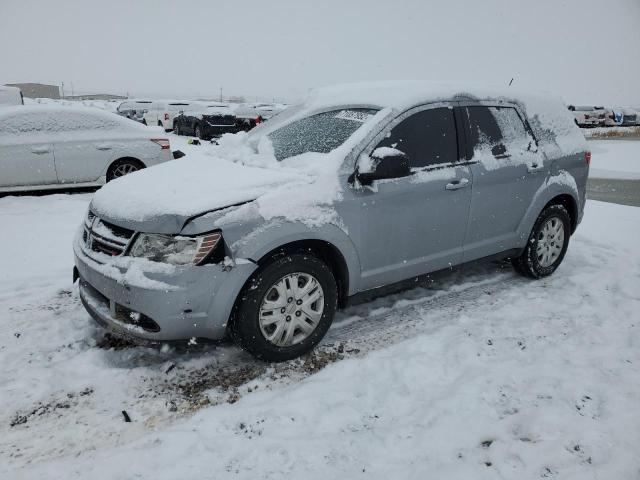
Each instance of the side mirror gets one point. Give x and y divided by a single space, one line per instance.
394 164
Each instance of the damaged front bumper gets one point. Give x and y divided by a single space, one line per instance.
160 304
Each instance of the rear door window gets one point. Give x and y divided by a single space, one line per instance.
499 130
26 123
77 121
427 137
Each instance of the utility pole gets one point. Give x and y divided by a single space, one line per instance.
62 90
220 93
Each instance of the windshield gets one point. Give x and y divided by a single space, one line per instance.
320 133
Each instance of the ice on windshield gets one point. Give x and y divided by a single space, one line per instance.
319 133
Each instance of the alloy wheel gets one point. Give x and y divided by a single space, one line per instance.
550 242
124 169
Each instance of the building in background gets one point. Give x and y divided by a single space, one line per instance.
96 96
37 90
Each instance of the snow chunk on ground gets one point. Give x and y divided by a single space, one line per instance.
502 377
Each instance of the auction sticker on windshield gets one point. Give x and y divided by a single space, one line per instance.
355 115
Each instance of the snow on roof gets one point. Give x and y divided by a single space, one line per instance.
547 113
407 93
52 110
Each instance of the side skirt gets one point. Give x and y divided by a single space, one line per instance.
410 283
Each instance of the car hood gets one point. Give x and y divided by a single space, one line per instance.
163 198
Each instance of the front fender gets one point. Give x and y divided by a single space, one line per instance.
279 233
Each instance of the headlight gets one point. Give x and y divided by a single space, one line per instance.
174 250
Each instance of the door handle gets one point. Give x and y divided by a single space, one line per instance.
103 147
457 184
40 150
535 167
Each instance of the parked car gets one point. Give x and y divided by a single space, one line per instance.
629 117
360 189
162 113
246 121
206 122
613 117
264 110
10 96
134 109
48 147
587 116
601 115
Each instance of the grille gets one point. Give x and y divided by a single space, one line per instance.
104 237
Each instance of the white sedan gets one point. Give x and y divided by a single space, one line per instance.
49 147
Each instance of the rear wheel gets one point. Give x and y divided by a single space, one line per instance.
547 244
123 167
287 308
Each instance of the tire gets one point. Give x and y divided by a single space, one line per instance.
123 167
144 122
274 320
544 253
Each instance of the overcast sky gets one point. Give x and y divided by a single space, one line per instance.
586 50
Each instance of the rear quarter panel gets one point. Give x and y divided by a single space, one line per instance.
566 175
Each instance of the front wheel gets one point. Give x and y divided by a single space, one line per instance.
286 308
547 244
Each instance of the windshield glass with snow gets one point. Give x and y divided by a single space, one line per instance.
319 133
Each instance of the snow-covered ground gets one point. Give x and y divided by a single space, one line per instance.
618 159
480 375
612 132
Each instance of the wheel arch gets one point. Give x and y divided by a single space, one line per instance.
325 251
550 193
568 202
328 241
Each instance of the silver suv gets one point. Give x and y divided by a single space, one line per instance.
359 188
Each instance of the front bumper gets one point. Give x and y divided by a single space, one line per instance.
190 302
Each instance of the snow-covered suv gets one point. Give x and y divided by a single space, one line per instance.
161 113
359 188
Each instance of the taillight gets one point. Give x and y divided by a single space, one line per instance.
258 119
587 158
163 142
166 117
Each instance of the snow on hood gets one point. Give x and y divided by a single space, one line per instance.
240 169
189 186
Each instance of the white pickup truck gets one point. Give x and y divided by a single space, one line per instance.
588 116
